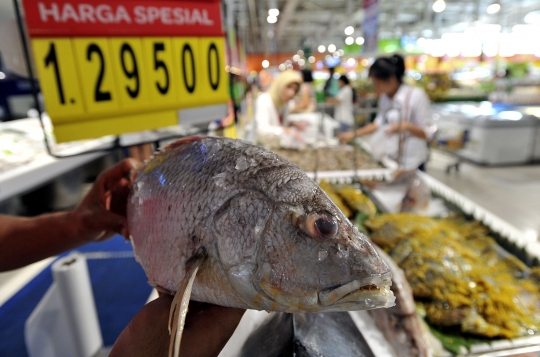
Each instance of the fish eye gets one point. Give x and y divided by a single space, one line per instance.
321 226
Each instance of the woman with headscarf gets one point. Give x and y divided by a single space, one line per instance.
271 126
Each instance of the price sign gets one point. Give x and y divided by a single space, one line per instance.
125 66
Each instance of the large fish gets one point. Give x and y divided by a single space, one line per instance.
226 222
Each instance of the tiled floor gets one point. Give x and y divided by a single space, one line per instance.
510 192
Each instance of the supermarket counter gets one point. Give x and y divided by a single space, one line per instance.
118 282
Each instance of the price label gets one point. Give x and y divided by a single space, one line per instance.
130 73
214 81
187 69
158 54
168 55
95 69
58 78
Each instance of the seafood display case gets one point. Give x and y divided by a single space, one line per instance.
496 242
492 134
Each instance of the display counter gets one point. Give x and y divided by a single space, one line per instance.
491 134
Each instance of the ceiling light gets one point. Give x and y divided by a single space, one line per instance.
271 19
265 64
439 6
351 62
532 17
331 48
349 40
295 58
311 59
360 40
321 48
349 30
273 12
493 8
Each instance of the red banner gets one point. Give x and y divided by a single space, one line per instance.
73 18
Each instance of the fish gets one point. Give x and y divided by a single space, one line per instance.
223 221
330 334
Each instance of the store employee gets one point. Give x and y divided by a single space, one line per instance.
399 105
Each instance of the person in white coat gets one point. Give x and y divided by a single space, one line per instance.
402 126
343 109
271 126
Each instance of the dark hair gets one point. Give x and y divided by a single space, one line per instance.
307 75
387 67
344 79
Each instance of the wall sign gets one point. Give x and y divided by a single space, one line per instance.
125 66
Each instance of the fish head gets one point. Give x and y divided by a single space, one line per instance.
293 250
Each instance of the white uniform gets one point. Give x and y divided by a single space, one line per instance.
413 105
268 129
344 109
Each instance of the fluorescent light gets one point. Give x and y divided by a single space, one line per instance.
271 19
321 49
265 64
331 47
532 17
311 59
349 40
349 30
439 6
273 12
493 8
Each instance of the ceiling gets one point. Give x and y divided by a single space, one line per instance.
323 22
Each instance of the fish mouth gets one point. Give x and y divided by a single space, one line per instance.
368 293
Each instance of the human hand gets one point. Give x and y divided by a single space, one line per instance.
346 137
300 124
207 329
102 212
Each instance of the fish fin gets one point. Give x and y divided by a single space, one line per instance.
183 141
179 307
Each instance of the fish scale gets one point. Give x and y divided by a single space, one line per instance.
253 214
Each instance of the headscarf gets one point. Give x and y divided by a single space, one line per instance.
280 83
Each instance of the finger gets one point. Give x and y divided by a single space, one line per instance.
147 333
119 197
121 170
208 328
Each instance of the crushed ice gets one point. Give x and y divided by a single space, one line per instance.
220 180
241 163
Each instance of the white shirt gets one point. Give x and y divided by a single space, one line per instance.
411 104
268 129
344 109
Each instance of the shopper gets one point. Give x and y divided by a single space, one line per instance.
343 110
307 101
100 215
331 86
271 125
401 128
